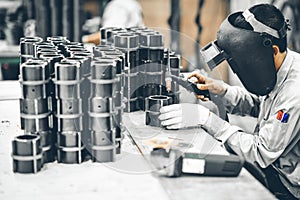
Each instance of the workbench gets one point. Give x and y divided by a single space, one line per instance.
130 177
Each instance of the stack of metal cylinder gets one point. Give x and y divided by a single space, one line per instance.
69 115
35 104
101 107
107 55
72 101
145 64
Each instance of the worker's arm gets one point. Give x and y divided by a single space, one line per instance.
274 135
236 99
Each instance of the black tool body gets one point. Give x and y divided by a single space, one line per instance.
190 86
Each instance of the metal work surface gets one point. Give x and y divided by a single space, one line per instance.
195 186
113 180
129 177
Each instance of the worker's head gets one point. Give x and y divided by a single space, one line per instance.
251 42
270 16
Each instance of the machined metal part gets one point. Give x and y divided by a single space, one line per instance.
126 41
70 148
132 104
97 50
153 46
27 45
69 122
52 58
118 98
46 51
86 58
100 121
119 80
47 142
69 106
153 105
68 71
67 89
32 90
25 58
57 39
101 104
35 123
27 154
103 146
103 78
103 70
34 106
43 45
119 58
117 120
34 71
68 76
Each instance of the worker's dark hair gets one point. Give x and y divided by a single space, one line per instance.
268 15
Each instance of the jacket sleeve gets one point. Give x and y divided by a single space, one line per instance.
265 146
238 100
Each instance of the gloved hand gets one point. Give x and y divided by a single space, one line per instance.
205 83
183 115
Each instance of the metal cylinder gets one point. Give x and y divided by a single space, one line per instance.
103 78
27 45
99 48
86 58
34 71
32 90
69 122
67 89
153 105
58 39
70 149
27 154
67 71
34 106
52 58
152 46
47 142
35 123
128 44
101 105
103 146
69 106
100 121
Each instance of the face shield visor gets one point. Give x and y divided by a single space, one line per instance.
249 53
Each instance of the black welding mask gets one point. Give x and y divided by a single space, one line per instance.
249 53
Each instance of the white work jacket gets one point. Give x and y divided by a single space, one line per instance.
276 137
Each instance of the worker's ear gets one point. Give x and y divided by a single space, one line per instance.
276 49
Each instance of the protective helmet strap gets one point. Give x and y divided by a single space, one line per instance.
260 27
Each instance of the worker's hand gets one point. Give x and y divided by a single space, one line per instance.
205 83
184 115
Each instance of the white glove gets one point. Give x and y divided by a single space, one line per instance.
205 83
184 115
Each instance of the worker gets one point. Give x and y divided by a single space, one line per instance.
122 14
254 44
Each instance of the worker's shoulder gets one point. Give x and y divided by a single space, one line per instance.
290 89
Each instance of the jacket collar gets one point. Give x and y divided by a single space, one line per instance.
282 73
